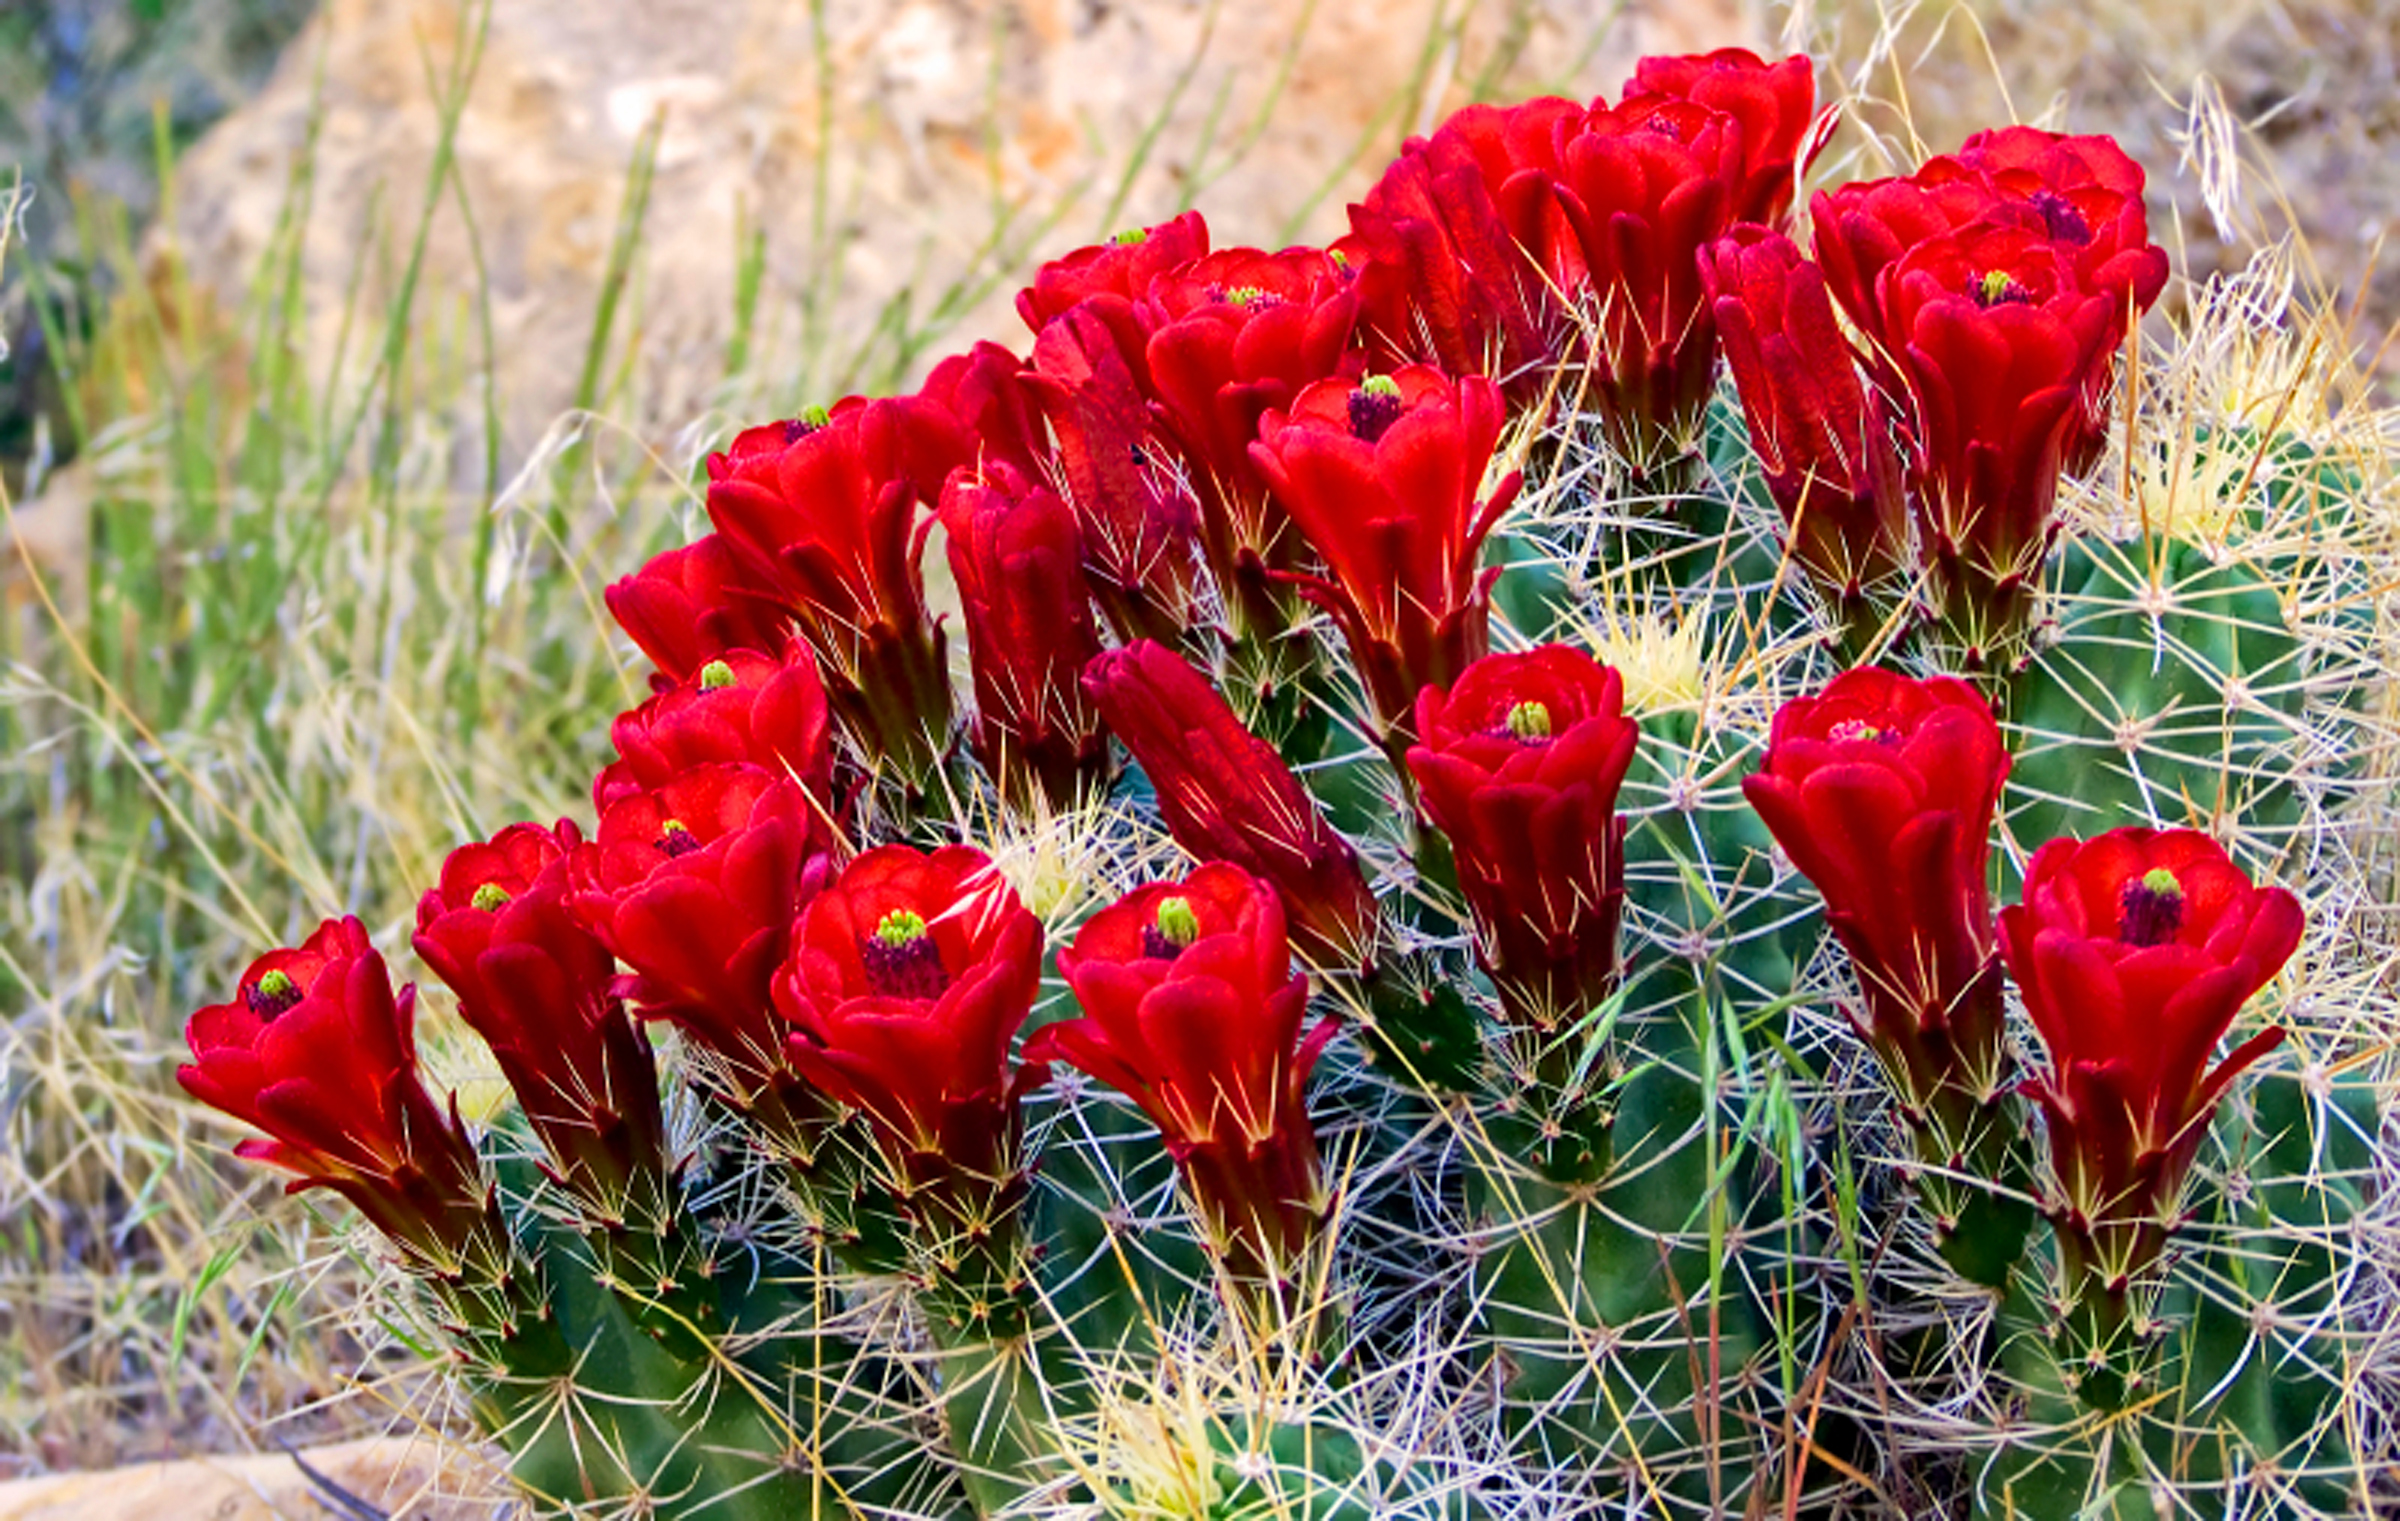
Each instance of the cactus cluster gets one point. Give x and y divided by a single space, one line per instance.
1521 921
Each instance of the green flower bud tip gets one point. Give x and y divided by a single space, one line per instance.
1529 721
716 676
901 927
491 897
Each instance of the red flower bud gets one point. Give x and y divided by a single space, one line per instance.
1139 524
694 884
1122 267
1883 790
1226 795
316 1051
690 605
540 989
1191 1009
2134 952
828 503
1018 561
1825 448
1518 765
742 707
1381 475
908 977
1440 273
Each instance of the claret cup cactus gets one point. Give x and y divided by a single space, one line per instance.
1709 872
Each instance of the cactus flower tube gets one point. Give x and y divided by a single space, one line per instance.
2135 951
1382 475
1883 790
1192 1009
826 506
1018 561
1823 440
1518 764
1226 795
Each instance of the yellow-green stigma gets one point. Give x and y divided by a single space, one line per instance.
901 927
491 897
1529 721
1131 237
675 837
1173 929
272 994
1374 407
716 676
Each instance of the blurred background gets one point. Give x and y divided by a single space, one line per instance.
352 346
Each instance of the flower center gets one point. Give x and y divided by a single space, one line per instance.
1998 287
271 994
1132 237
2065 223
1173 931
809 421
2150 909
901 958
1249 298
1529 721
716 676
491 897
1374 407
1851 731
675 838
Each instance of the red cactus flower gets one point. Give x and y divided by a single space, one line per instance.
1440 274
1883 790
1823 440
1122 267
742 707
1998 345
827 503
1139 524
540 989
1226 795
1232 337
2135 951
1192 1009
1018 560
1518 765
2087 194
908 977
1775 105
316 1051
1381 475
690 605
694 884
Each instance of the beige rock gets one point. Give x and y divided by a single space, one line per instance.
907 164
408 1479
